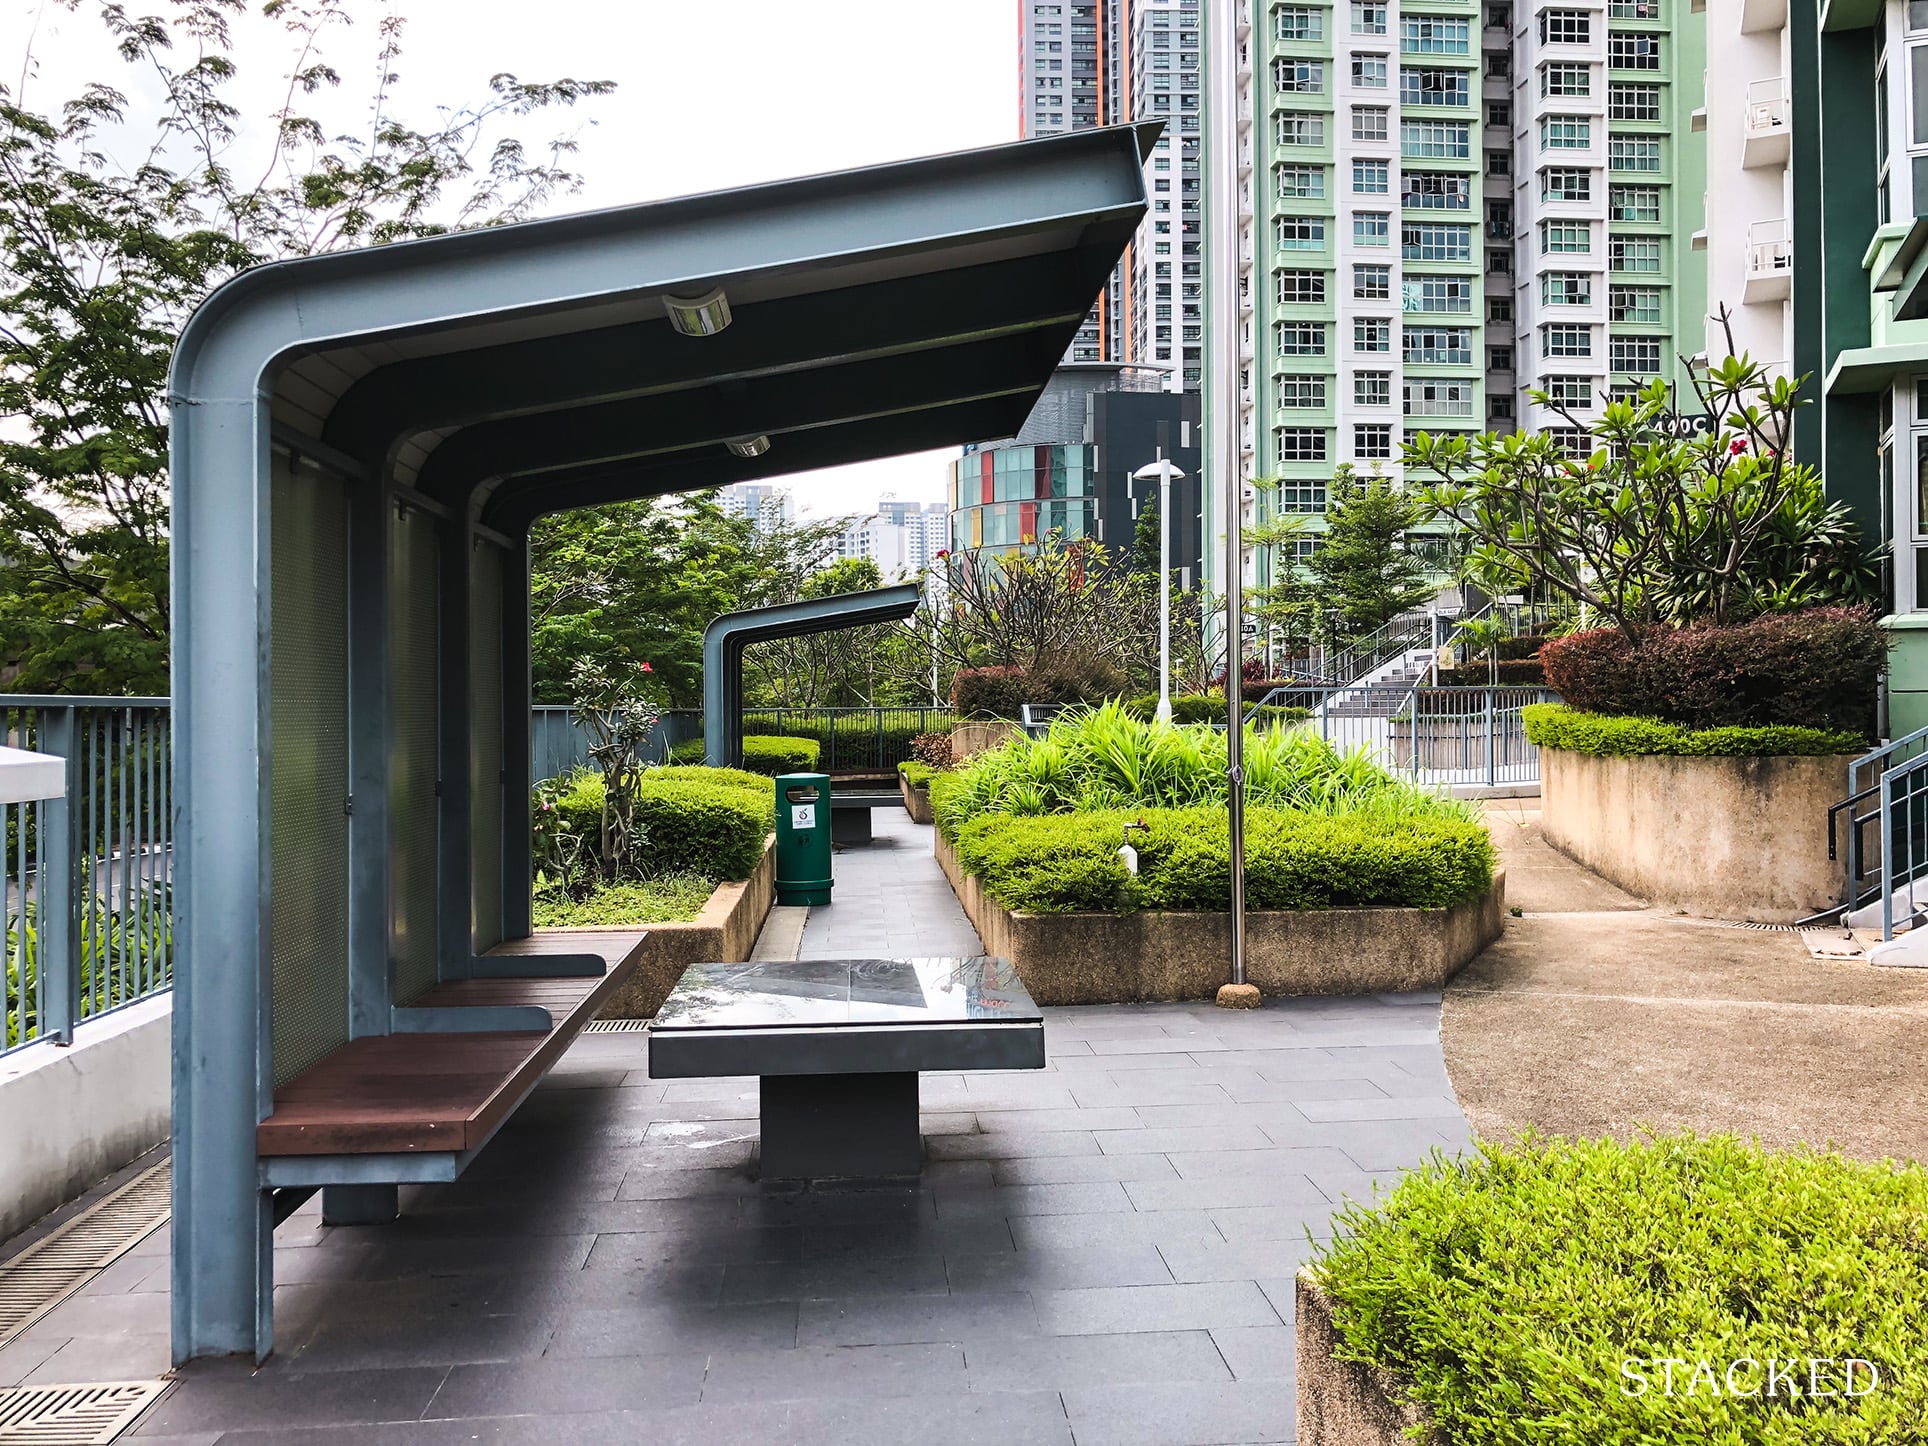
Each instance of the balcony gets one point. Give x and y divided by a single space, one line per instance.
1759 15
1770 262
1767 128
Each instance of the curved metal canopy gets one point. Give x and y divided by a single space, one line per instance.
725 639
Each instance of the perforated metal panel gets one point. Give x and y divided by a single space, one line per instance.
413 813
309 828
485 722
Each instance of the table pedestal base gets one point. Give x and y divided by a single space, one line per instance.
824 1126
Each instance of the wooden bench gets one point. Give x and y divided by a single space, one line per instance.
415 1105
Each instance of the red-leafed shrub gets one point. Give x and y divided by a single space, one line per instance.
1000 691
1817 668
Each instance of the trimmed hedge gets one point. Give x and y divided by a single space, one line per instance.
918 775
674 898
773 753
1001 691
1510 1288
1817 668
1552 725
689 751
1513 673
708 822
1068 863
1210 708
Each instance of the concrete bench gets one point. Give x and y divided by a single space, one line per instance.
850 812
837 1045
415 1106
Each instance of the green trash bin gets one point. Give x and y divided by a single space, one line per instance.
803 838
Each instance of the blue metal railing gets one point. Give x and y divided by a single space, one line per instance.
1888 795
557 746
87 876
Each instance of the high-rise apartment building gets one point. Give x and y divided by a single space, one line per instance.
1105 62
766 505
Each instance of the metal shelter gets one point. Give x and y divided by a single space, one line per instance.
725 639
360 442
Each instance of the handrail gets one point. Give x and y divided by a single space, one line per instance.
1886 750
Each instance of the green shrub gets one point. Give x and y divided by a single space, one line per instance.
709 822
773 754
1210 708
1552 725
1817 668
1512 673
1060 863
1103 758
673 898
1510 1288
918 775
690 750
1000 691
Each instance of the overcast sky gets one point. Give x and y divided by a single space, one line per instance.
710 94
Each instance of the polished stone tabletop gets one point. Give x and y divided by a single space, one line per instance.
819 993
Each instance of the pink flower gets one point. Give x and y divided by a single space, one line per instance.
1736 447
647 668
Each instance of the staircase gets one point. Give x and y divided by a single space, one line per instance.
1382 694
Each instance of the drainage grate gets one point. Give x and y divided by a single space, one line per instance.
615 1026
73 1415
1750 924
53 1268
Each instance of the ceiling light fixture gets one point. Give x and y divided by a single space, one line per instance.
699 315
748 446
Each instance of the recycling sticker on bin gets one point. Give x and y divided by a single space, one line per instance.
803 815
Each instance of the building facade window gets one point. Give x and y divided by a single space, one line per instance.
1433 35
1565 133
1300 183
1371 178
1301 393
1436 190
1301 233
1299 77
1372 389
1628 253
1633 52
1369 72
1565 184
1628 153
1566 78
1300 497
1422 86
1423 241
1565 238
1566 288
1427 398
1299 444
1562 339
1635 355
1372 441
1369 122
1567 391
1301 338
1371 228
1295 129
1439 293
1634 304
1631 101
1371 334
1368 18
1436 140
1633 203
1297 24
1438 346
1372 283
1301 288
1566 27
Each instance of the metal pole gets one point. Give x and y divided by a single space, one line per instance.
1164 589
1222 121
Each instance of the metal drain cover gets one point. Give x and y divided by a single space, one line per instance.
54 1267
615 1026
73 1415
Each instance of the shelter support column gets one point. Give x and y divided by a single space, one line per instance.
518 863
369 987
223 1225
454 772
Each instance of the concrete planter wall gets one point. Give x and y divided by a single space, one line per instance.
917 801
1728 838
1112 958
969 738
1346 1403
724 932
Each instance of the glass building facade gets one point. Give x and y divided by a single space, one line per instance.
1004 498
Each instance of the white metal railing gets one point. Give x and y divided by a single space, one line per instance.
1767 106
1770 250
1421 408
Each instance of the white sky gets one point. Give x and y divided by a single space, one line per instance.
710 94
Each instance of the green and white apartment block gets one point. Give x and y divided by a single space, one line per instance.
1447 204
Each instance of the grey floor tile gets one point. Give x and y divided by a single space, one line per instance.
1182 1414
915 1319
1157 1043
928 1369
1167 1139
834 1279
1065 1363
1085 1232
1224 1191
557 1386
646 1328
220 1396
1033 1270
1108 1310
1242 1259
1069 1198
1274 1222
362 1344
1011 1145
1065 1169
1258 1353
1217 1164
1045 1121
1147 1087
100 1358
21 1355
1412 1107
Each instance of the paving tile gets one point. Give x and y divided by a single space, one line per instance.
646 1328
1258 1353
933 1369
1049 1269
1274 1222
101 1358
918 1318
1158 1044
1064 1363
1108 1310
1166 1139
21 1355
832 1279
716 1245
1147 1087
1283 1291
555 1386
1072 1198
365 1343
223 1395
1012 1144
1416 1107
1065 1169
1084 1232
1182 1414
1242 1259
1045 1121
1111 1063
1225 1191
1218 1164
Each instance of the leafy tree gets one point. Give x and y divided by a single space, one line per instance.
1664 522
1365 570
1286 609
1146 542
114 225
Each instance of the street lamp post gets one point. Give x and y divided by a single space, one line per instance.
1166 474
